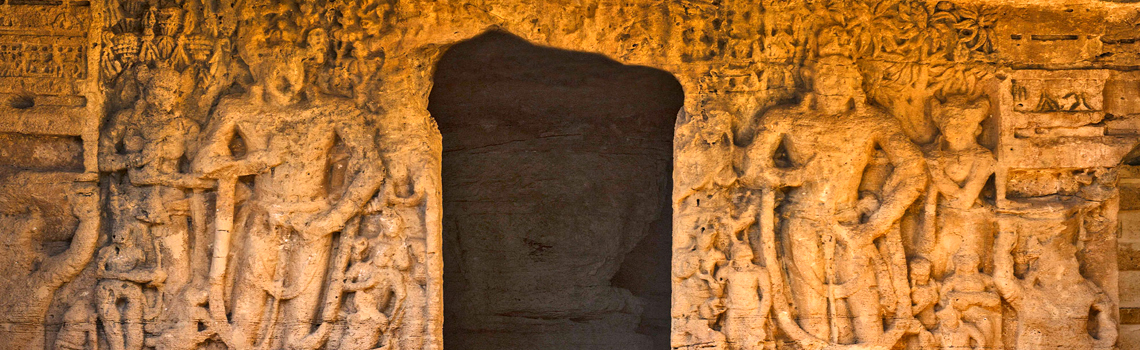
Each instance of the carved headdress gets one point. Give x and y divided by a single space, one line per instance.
834 41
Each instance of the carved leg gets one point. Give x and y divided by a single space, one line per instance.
806 286
864 303
108 297
308 263
133 316
258 260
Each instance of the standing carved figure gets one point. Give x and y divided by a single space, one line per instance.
959 169
1053 301
119 293
28 289
747 300
828 141
923 292
288 223
694 269
149 143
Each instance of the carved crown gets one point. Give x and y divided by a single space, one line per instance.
834 41
126 45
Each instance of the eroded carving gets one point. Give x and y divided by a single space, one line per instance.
848 174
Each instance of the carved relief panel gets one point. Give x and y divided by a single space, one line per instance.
850 174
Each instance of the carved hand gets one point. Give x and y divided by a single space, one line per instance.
84 200
320 225
158 278
859 235
137 160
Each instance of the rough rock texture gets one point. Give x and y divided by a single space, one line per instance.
867 174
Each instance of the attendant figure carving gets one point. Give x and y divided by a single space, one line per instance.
957 218
1053 301
972 295
119 293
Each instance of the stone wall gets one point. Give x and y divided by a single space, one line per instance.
846 174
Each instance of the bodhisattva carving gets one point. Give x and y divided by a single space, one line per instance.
156 205
285 227
833 252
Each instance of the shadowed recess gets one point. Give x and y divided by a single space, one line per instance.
556 187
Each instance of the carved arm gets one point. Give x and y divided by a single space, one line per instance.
214 159
1006 283
761 170
903 187
364 161
63 267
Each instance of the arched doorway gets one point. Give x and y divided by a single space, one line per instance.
556 187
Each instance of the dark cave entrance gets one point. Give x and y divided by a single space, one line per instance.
557 175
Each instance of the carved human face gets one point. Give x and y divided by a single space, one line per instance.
966 263
284 82
161 99
960 123
318 45
836 76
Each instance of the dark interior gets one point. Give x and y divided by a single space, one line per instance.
556 186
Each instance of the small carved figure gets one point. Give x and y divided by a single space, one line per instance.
697 310
1053 301
747 300
28 291
959 169
953 334
973 296
923 292
119 293
378 286
78 331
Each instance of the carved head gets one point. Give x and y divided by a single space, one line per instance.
920 270
948 317
80 312
393 223
834 76
742 252
359 249
960 117
966 263
122 234
281 77
163 90
316 45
